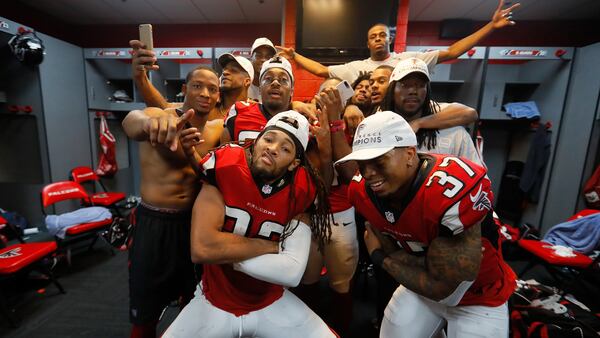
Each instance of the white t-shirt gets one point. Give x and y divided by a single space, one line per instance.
351 70
254 93
453 141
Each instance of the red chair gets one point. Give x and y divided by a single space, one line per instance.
565 270
69 190
21 258
104 198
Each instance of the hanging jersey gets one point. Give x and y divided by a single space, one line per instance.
245 120
252 211
448 196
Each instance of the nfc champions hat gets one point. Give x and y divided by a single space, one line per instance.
277 62
262 42
408 66
293 123
240 60
378 134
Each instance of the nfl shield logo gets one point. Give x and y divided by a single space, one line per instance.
390 217
266 189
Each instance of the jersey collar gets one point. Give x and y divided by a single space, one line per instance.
426 163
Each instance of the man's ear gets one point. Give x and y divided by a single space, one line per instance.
247 82
411 156
184 89
294 165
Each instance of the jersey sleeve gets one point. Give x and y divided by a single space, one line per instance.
230 121
207 167
465 147
469 210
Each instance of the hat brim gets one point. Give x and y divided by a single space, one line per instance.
225 59
265 45
364 154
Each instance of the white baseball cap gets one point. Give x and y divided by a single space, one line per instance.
294 123
277 62
263 42
408 66
240 60
378 134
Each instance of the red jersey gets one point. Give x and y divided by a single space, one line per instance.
448 196
338 195
252 211
245 120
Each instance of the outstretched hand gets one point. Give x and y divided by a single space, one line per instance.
164 129
286 52
503 17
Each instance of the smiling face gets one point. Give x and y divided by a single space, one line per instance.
201 91
409 95
276 90
390 172
273 155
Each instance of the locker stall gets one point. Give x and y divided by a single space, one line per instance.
576 153
43 129
459 80
521 74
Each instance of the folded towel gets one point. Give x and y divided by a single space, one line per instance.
518 110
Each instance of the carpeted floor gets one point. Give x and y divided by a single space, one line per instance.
96 302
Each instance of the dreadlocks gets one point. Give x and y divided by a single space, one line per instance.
427 137
320 212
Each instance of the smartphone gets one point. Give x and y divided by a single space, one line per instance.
345 90
146 35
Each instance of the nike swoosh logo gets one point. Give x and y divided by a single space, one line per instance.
346 223
476 196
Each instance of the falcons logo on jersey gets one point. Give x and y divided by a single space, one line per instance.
480 200
11 253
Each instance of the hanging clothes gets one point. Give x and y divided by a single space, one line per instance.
535 166
107 164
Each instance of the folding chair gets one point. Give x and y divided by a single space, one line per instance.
104 198
69 190
21 258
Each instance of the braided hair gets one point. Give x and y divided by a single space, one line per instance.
427 137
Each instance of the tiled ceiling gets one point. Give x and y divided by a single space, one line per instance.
95 12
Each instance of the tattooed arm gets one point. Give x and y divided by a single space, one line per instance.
449 262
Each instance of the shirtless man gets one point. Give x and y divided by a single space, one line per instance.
160 268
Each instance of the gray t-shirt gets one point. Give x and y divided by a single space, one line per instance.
453 141
351 70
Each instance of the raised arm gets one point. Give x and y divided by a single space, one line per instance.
331 102
143 60
452 115
286 267
447 271
209 244
501 18
311 65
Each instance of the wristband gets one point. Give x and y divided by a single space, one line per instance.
336 125
377 257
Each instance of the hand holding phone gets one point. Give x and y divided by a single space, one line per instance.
346 91
146 36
